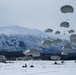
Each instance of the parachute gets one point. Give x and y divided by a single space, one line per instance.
54 57
73 38
49 30
46 42
56 41
57 32
33 52
64 24
67 9
67 46
71 31
64 53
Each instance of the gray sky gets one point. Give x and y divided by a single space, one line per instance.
36 14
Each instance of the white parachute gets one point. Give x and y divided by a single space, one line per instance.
54 57
56 41
73 38
33 52
67 46
46 42
64 53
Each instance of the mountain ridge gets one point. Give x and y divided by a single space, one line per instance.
15 38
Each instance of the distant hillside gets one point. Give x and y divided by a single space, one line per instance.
15 38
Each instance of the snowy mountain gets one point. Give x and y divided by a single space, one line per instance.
16 30
15 38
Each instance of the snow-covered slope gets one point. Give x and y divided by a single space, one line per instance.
60 36
15 38
40 68
16 30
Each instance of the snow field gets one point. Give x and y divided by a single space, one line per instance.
40 68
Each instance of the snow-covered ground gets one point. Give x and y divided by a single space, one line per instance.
40 68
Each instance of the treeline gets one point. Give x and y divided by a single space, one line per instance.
44 56
12 55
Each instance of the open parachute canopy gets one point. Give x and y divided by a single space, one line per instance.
33 52
46 42
57 32
67 9
73 38
67 46
54 57
56 41
64 53
71 31
49 30
64 24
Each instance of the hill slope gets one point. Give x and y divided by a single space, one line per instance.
15 38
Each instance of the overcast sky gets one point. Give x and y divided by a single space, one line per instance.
36 14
